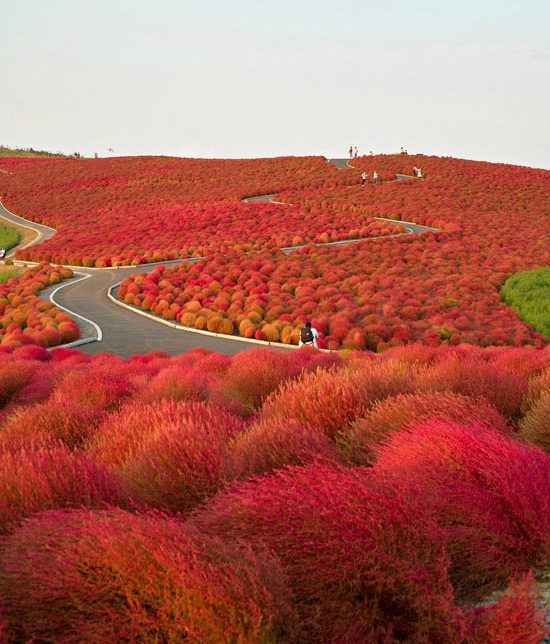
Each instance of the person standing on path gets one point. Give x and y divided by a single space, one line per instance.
356 153
351 152
375 177
308 336
364 178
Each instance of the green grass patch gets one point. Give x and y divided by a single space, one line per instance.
9 237
7 151
529 293
6 273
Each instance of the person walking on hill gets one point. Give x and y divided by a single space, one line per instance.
308 336
356 153
375 177
364 177
351 152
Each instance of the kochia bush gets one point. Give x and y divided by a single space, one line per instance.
364 564
489 492
48 478
392 414
169 455
113 576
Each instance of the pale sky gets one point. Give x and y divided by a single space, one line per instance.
252 78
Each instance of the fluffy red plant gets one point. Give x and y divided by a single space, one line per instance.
516 618
504 389
392 414
32 352
94 386
489 492
254 374
168 455
535 425
113 576
364 565
177 383
274 443
50 477
331 400
14 375
70 422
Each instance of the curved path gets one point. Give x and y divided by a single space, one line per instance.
121 329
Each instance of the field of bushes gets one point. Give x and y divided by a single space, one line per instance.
275 497
26 319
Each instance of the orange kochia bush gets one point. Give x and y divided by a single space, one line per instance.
25 318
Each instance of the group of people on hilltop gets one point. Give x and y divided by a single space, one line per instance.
354 152
365 178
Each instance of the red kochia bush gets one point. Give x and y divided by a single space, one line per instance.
14 375
70 422
51 477
535 426
113 576
516 617
504 389
101 389
364 564
178 382
274 443
254 374
331 400
392 414
169 455
489 492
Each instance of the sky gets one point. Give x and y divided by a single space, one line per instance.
257 78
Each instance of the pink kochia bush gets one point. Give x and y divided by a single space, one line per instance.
169 455
364 564
488 492
113 576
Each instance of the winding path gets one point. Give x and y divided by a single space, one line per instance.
128 331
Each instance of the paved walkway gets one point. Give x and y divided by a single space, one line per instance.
112 328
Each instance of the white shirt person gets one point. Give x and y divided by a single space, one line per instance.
308 336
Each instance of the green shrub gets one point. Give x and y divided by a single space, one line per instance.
529 293
9 237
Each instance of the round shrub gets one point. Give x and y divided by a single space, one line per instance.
489 492
331 400
274 443
112 576
469 376
178 382
168 455
69 423
254 374
515 617
392 414
50 477
535 426
364 565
